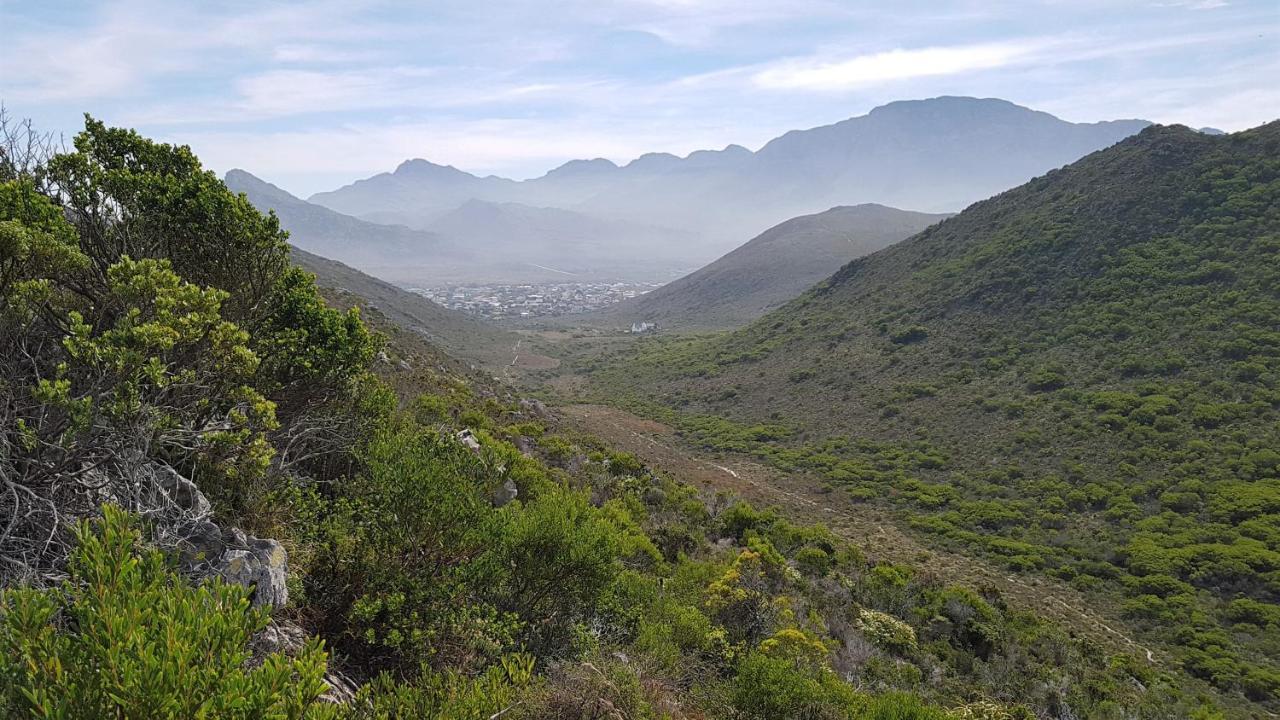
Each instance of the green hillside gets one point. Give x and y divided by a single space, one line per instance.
1079 377
460 335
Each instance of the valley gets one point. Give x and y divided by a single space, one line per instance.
997 407
884 534
688 360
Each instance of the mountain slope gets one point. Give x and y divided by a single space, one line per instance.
1080 376
457 334
574 244
773 267
331 234
935 155
478 241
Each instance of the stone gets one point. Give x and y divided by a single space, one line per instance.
202 544
505 493
235 538
283 637
534 407
181 491
264 566
525 445
466 437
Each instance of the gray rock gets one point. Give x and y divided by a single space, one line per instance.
202 545
467 438
283 637
235 538
181 491
525 445
534 407
263 567
505 493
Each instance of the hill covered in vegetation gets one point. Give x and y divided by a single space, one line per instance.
459 335
772 268
1080 377
228 499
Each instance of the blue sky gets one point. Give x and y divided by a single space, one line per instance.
311 95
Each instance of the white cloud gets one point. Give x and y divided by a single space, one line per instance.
699 23
1193 4
899 64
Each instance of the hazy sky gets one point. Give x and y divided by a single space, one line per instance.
311 95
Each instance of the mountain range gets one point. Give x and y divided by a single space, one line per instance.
936 155
478 240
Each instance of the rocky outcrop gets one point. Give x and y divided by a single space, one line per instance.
261 564
182 515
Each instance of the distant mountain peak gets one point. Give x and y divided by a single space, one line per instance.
417 167
583 167
653 160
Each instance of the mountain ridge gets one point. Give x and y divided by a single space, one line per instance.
932 155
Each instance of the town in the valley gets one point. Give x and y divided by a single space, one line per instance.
533 300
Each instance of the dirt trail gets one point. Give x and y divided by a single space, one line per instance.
871 528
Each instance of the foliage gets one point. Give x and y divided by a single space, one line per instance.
445 695
124 636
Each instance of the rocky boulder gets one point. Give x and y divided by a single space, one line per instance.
263 565
504 493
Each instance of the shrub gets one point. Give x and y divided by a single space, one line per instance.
886 630
910 334
561 553
445 695
767 688
124 636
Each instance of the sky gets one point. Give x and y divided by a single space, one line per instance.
312 95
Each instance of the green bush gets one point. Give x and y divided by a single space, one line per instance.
559 554
447 695
124 636
768 688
